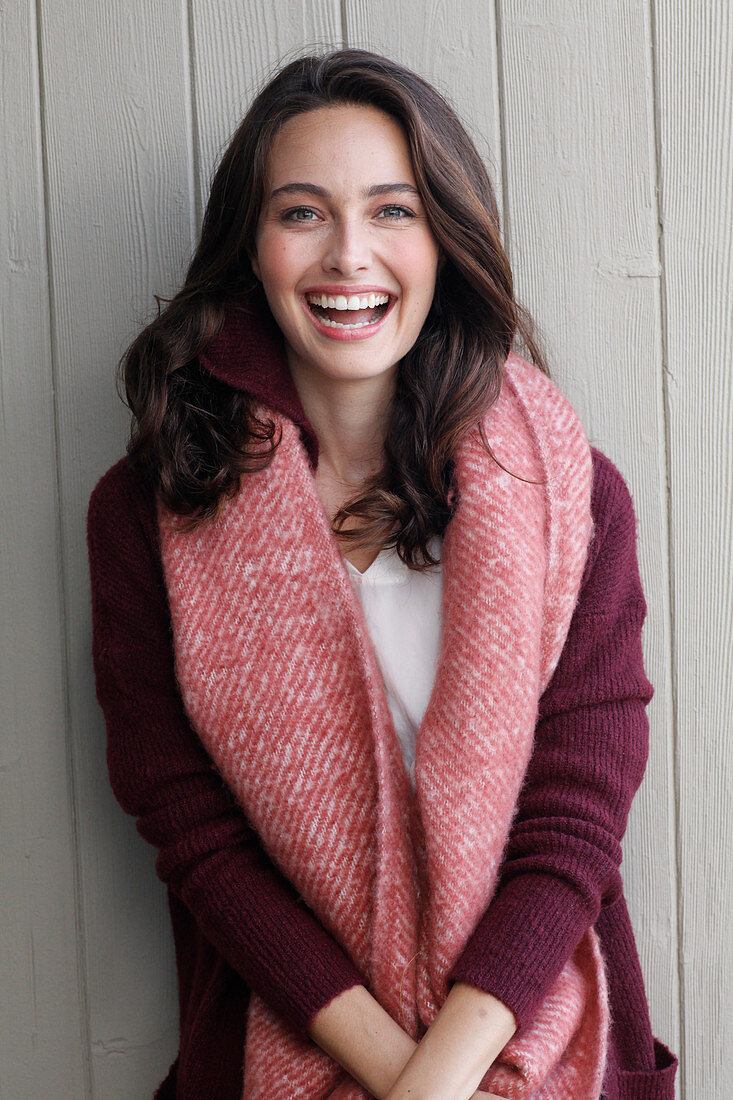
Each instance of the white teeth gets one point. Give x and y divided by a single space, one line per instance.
340 301
338 325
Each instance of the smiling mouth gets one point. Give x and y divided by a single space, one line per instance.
348 318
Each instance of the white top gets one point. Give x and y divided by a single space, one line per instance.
402 610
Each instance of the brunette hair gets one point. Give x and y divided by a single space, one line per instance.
192 435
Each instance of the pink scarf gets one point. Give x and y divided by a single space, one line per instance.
280 680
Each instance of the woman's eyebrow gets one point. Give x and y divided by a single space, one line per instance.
368 193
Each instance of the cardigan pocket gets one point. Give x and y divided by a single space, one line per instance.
650 1084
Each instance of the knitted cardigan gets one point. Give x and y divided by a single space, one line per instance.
224 895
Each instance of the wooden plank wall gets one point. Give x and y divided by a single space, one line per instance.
694 135
608 128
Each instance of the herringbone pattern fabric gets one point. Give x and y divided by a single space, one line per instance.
279 679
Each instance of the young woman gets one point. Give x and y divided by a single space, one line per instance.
367 620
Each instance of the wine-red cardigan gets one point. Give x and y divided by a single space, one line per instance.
238 924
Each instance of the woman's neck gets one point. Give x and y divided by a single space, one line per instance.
350 419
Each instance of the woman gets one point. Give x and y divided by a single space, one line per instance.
361 564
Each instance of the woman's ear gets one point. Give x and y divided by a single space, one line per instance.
255 265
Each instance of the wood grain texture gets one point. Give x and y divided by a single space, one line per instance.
582 221
118 139
694 65
42 995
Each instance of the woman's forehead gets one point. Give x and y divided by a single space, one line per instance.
355 145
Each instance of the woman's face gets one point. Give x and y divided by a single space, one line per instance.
350 224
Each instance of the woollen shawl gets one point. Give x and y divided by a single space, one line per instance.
280 680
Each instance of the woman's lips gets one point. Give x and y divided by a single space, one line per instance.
347 334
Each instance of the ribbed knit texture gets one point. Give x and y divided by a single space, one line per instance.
279 678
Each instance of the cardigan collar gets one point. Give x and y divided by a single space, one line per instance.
248 354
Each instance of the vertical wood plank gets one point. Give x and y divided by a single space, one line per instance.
694 67
41 980
583 240
119 212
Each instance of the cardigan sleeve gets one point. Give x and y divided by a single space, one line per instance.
562 862
208 854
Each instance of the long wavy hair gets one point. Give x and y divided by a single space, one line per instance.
194 437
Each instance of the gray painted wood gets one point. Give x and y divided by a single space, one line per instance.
42 995
607 130
694 68
118 138
582 219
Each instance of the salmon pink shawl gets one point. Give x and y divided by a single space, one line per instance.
280 680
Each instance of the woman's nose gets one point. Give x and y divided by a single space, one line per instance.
347 248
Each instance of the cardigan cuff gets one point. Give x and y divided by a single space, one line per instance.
522 942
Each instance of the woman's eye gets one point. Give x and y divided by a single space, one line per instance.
402 209
288 215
